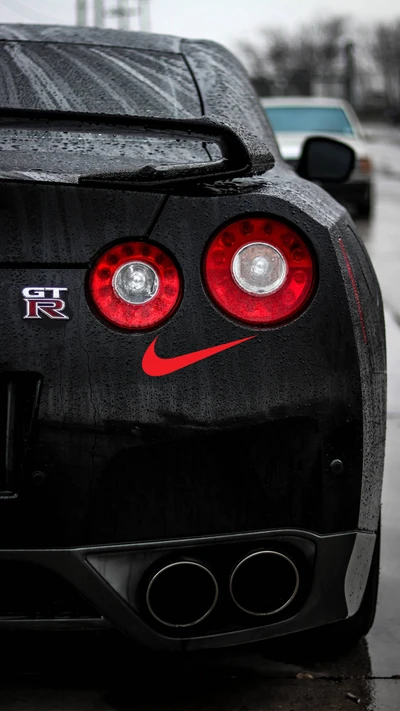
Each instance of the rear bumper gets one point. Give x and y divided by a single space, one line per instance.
334 568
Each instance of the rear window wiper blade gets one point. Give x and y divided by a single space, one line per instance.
163 175
242 153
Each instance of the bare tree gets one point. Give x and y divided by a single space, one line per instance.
295 61
386 51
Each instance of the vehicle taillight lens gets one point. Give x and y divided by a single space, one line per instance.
259 271
365 165
135 285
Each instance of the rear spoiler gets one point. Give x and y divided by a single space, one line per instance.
243 154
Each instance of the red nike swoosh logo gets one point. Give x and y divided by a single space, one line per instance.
152 364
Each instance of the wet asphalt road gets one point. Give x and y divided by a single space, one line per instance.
99 674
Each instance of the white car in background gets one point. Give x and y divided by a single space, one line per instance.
294 119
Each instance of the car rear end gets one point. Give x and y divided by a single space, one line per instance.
193 503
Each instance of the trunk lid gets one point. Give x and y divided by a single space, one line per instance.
114 455
45 224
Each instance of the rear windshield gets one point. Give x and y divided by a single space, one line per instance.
82 78
96 80
309 118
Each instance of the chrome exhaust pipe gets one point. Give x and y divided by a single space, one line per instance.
182 594
264 583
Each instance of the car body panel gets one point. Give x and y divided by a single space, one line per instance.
279 437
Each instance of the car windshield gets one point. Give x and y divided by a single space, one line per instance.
308 119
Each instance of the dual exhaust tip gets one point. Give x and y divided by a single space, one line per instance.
182 594
185 592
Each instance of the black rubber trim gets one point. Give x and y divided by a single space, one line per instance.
57 624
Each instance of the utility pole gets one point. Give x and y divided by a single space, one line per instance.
123 13
123 10
144 15
98 13
81 15
349 72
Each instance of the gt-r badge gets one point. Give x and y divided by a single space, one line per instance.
44 301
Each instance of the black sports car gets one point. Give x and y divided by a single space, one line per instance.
192 364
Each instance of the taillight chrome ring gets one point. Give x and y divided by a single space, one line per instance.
136 282
259 268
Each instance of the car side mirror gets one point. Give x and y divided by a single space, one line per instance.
325 160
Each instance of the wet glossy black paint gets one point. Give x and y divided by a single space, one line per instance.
135 427
36 225
239 442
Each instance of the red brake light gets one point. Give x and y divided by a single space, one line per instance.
135 285
259 271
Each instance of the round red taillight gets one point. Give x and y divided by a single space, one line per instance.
259 270
135 285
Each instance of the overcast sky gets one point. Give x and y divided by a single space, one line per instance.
221 20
